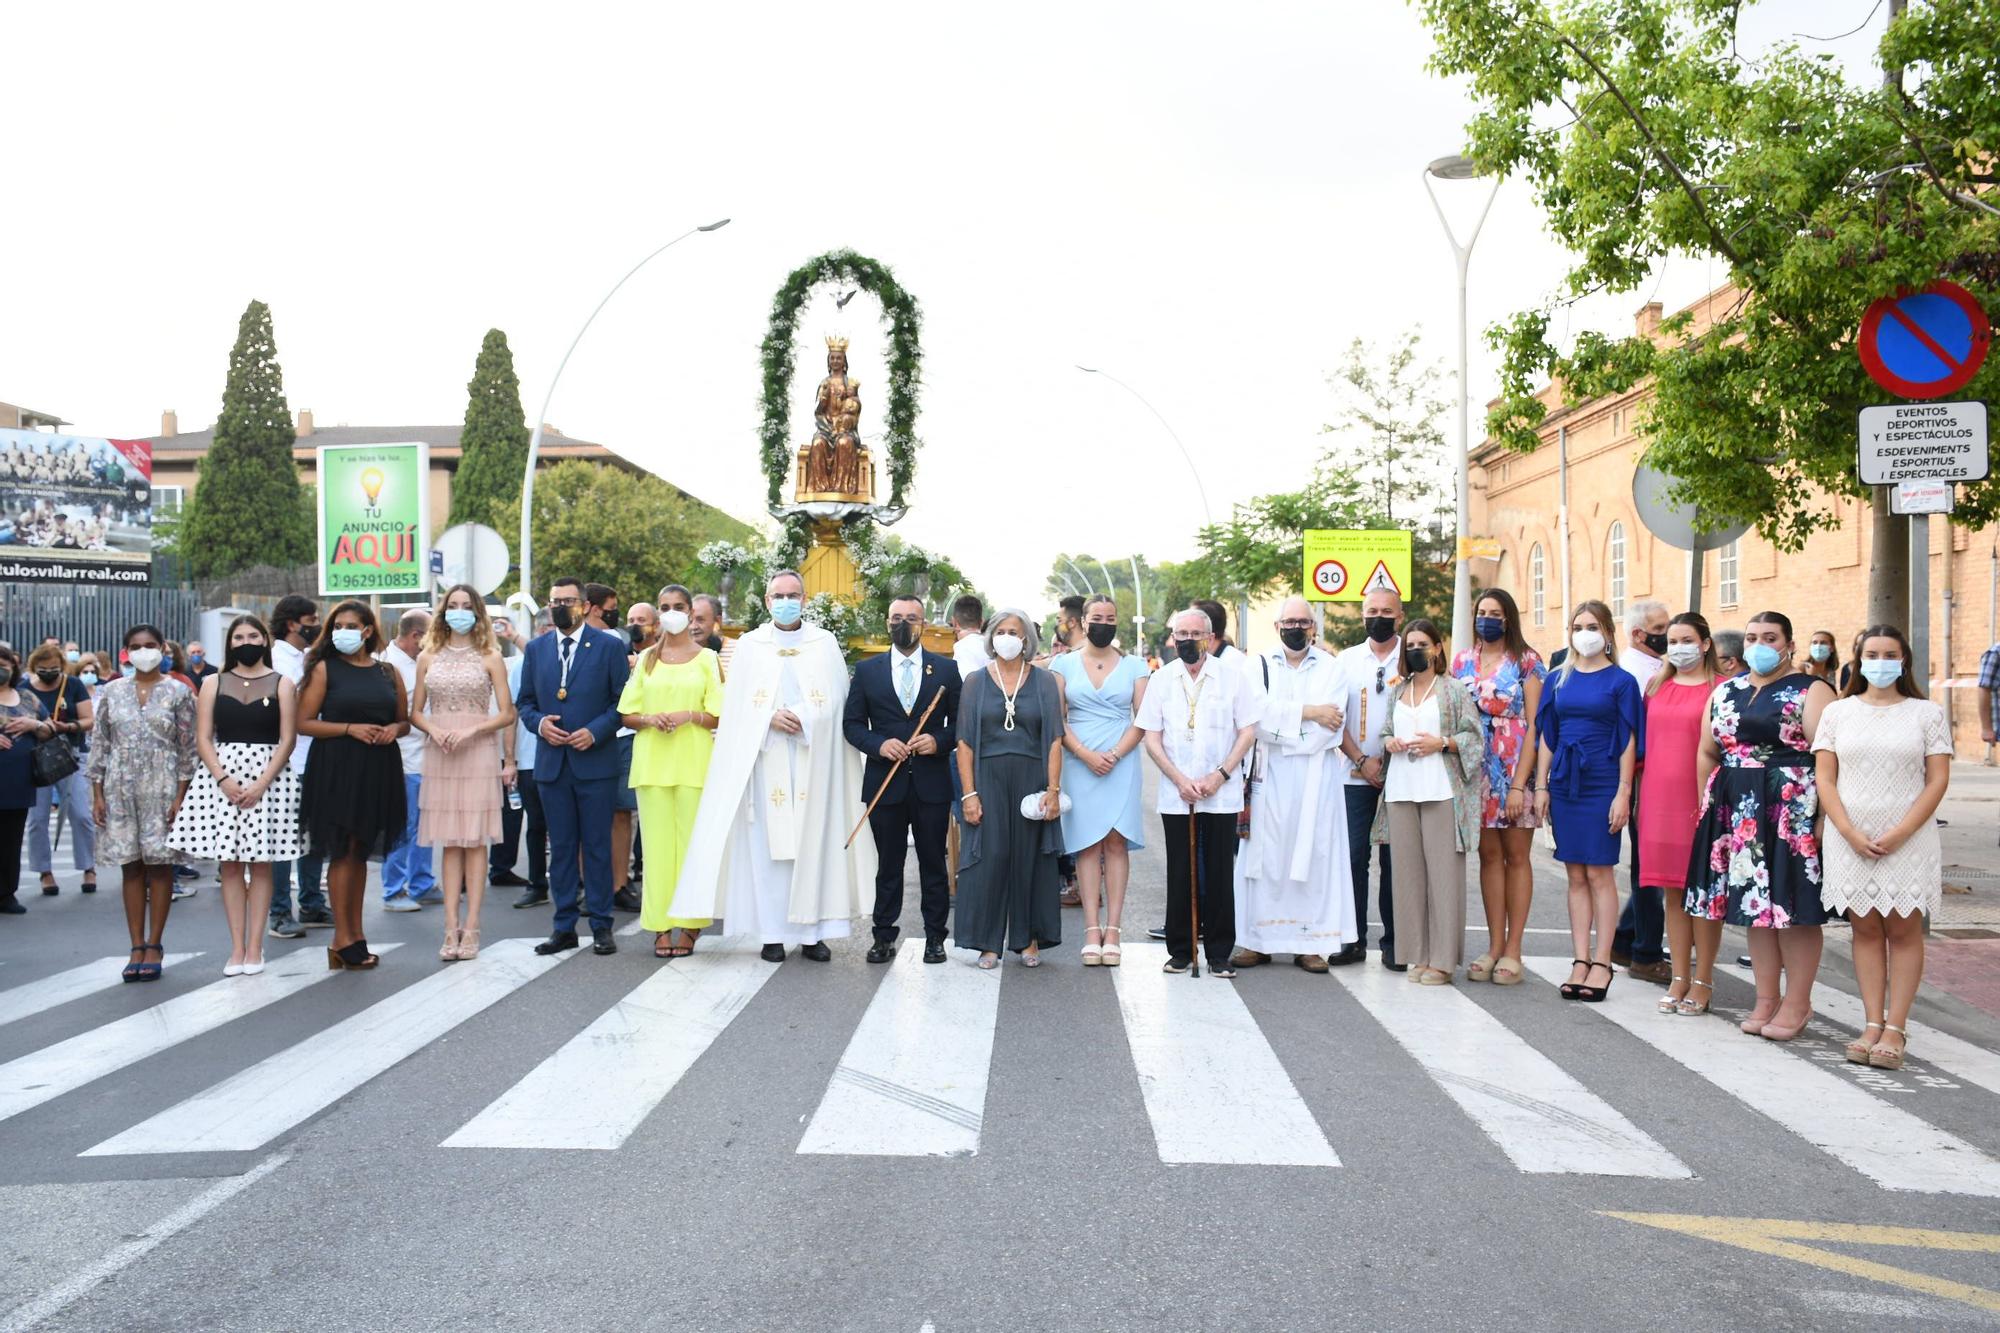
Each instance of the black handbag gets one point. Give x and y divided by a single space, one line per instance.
53 760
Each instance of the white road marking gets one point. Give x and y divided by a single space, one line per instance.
65 1293
604 1082
912 1081
1543 1119
1214 1089
256 1105
37 996
1928 1045
54 1070
1891 1147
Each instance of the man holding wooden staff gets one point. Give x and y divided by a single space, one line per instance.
901 714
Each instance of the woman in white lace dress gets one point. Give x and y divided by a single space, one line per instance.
1883 756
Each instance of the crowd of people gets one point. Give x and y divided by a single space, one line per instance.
1752 779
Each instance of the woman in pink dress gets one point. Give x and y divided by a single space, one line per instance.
468 759
1670 805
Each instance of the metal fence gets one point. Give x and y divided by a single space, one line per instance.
95 617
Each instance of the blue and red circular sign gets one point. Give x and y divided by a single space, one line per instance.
1925 344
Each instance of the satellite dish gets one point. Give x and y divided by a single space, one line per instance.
471 553
1675 523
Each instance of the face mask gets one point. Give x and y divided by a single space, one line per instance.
144 659
246 654
903 635
674 622
88 678
196 659
6 676
72 656
563 618
1821 651
461 619
1008 646
1489 628
308 632
127 670
347 642
1380 628
1586 643
787 611
1656 644
1100 634
1295 639
1882 672
713 643
49 674
1762 658
1189 650
1416 661
1684 655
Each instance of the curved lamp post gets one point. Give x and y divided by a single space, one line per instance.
1200 490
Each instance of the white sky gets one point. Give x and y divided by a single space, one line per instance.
1208 201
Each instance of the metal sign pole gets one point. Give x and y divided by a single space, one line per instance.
1920 597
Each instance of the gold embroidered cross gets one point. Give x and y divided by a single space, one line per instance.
817 698
777 797
788 652
760 698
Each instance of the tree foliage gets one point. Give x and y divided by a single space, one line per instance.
246 509
1645 132
494 439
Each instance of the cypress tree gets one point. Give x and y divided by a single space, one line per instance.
495 437
245 509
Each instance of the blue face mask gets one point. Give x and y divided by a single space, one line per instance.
127 669
1882 672
787 610
1489 628
1762 658
461 620
347 641
88 677
1821 651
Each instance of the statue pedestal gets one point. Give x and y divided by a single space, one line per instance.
828 568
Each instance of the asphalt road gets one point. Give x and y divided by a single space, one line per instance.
1058 1148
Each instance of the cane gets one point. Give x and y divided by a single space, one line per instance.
891 775
1194 897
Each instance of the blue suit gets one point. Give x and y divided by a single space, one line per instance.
576 786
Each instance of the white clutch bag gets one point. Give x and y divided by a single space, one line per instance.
1031 804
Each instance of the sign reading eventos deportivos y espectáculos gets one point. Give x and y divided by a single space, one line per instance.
1923 442
374 519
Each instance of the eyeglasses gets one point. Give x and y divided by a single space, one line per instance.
1295 624
906 620
565 601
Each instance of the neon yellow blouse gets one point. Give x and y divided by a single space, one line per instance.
678 758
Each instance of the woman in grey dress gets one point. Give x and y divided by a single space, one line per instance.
1010 728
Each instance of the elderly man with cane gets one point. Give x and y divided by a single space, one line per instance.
1199 723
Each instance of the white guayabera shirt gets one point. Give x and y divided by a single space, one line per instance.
1198 718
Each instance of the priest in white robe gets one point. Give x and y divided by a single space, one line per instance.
766 854
1295 889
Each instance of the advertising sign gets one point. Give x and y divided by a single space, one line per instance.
1923 442
374 519
1345 564
75 509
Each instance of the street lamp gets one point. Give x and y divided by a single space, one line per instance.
1456 168
535 440
1200 490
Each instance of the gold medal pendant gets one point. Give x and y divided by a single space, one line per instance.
562 693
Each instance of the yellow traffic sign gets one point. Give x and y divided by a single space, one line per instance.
1345 564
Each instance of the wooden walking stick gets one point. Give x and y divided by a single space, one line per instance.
1194 895
891 775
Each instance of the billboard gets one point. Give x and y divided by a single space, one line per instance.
75 509
374 520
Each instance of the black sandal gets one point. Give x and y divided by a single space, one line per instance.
1573 990
1596 994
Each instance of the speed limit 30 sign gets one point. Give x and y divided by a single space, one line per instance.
1329 578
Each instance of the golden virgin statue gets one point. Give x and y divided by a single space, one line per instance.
835 465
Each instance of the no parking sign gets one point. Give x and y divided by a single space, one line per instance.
1924 344
1346 564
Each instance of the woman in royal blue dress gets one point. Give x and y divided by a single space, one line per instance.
1591 725
1102 688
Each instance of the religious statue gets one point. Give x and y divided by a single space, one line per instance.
835 465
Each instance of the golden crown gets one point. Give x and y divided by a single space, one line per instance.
836 344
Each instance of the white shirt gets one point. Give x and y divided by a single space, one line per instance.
411 744
896 659
1417 777
291 664
1640 667
970 654
1370 679
1221 703
524 740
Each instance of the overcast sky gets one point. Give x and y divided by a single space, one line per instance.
1209 201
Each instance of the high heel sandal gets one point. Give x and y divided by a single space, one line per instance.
663 945
1571 990
1889 1057
1860 1048
1671 1004
1596 994
1689 1007
448 951
1093 954
133 968
354 958
151 971
689 934
468 944
1114 954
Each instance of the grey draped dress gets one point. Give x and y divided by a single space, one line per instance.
1009 889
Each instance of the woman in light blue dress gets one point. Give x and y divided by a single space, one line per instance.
1102 688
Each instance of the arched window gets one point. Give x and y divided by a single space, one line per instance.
1538 585
1614 568
1727 565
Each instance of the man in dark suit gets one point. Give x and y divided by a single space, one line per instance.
889 695
570 683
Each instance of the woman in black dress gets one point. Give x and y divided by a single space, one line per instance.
354 709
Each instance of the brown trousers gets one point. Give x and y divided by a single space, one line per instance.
1429 884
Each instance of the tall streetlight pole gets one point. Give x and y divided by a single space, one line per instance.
1456 168
535 440
1207 513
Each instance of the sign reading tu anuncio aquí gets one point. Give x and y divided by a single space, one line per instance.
374 519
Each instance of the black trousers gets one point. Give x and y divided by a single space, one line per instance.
1216 835
13 823
891 826
505 854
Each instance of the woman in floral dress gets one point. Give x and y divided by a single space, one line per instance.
1756 858
1504 677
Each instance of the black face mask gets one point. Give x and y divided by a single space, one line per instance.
1189 650
308 632
246 654
903 634
713 643
1295 639
563 618
1100 634
49 674
1416 661
1380 628
638 635
1656 644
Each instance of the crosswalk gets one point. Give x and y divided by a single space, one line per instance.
917 1071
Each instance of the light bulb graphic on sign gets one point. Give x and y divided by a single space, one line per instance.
372 481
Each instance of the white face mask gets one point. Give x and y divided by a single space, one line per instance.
674 622
1586 643
144 659
1683 655
1008 646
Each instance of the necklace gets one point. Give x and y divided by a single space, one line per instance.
1193 697
1008 695
1428 691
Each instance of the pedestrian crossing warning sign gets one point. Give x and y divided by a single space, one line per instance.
1346 564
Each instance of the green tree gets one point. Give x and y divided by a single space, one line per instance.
636 533
494 438
1644 132
245 509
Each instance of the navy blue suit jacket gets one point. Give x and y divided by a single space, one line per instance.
874 714
596 679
